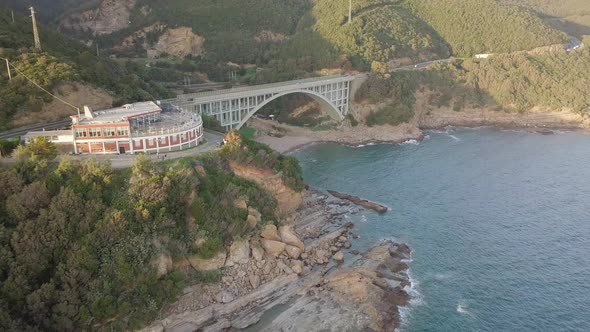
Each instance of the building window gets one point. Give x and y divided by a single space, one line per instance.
122 131
81 132
108 132
94 132
137 143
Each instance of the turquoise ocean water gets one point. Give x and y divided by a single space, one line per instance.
498 221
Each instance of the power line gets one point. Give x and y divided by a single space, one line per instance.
37 85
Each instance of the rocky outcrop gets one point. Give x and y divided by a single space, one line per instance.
178 42
363 297
108 17
288 200
254 217
289 237
239 253
270 232
208 264
267 35
359 201
274 248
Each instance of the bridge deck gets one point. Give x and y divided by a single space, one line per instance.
260 89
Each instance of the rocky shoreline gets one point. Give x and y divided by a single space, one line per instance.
287 139
307 260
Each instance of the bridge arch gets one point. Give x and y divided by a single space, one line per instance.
326 105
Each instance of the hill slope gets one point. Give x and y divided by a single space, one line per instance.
63 61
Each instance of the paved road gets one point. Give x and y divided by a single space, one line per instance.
573 44
213 140
47 126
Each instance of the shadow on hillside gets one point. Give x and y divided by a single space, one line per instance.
563 24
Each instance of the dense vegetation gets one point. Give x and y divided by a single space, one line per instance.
485 26
63 60
379 30
79 240
516 82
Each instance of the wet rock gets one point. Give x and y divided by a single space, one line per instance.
270 232
339 256
359 201
274 248
288 236
355 252
204 264
347 245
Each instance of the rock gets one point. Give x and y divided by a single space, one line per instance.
240 204
199 241
288 236
163 264
257 251
359 201
297 266
254 280
321 256
355 252
333 249
342 239
274 248
254 217
270 232
339 256
283 267
252 221
347 245
304 255
224 297
293 251
239 253
203 264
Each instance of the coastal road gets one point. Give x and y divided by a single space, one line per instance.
573 44
44 126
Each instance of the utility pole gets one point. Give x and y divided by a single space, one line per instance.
349 11
35 30
12 12
8 68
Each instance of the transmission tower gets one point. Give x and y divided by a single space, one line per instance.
35 30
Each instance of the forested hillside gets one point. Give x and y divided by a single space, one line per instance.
62 60
87 247
572 16
270 34
485 26
511 83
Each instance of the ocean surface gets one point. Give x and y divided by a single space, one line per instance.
498 221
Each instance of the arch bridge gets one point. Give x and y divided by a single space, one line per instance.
233 107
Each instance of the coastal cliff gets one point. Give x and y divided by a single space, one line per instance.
299 265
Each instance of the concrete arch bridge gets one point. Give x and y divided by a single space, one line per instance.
233 107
